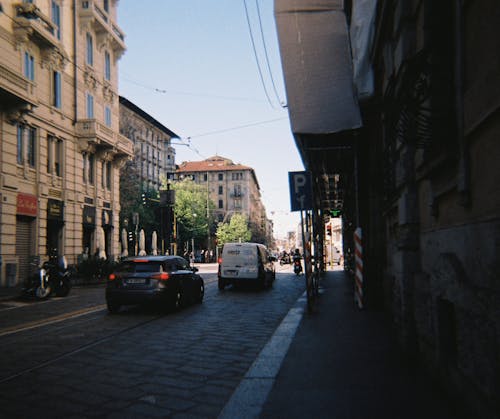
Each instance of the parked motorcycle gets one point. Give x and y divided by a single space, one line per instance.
52 278
297 266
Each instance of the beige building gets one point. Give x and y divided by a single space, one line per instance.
233 188
60 147
154 155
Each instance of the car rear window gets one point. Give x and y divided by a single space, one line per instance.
138 267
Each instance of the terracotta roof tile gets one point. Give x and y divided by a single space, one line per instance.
212 164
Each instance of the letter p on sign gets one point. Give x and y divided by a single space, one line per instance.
300 190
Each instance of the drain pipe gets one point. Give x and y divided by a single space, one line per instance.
75 61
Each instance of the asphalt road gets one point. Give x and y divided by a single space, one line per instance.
67 357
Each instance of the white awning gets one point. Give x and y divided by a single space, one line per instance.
317 66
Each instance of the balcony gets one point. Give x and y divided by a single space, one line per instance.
30 24
236 194
93 135
104 27
16 92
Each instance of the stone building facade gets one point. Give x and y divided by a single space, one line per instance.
234 189
436 72
154 155
421 181
60 147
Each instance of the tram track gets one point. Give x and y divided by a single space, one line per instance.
100 313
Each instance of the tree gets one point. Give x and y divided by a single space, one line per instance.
190 210
235 231
137 198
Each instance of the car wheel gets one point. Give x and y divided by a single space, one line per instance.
178 300
221 284
201 293
113 307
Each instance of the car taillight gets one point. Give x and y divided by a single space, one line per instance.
163 276
112 277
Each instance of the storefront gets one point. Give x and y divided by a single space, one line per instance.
107 225
88 225
26 213
55 224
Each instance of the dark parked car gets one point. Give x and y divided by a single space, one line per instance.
168 281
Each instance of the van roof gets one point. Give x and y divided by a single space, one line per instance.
244 244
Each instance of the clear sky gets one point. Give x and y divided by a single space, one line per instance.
190 64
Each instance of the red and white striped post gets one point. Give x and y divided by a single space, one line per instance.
358 272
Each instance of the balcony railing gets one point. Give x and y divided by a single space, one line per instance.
31 24
103 25
93 132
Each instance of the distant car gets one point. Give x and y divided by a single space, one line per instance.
246 262
168 281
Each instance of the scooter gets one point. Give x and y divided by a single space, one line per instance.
52 278
297 266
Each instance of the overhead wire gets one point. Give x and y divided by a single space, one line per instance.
176 92
267 56
236 128
256 56
188 139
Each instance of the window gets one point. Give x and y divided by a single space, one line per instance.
237 190
103 173
31 146
90 49
90 106
29 66
56 89
221 176
205 177
221 203
54 155
20 144
221 189
107 116
105 5
26 143
107 66
91 169
56 18
109 173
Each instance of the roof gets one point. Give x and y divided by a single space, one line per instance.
134 108
212 164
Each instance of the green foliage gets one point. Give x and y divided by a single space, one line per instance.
235 231
131 201
191 211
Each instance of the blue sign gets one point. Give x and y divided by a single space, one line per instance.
300 190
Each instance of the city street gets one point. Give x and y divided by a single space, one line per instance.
67 357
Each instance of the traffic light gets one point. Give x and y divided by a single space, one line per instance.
335 213
143 198
329 229
130 236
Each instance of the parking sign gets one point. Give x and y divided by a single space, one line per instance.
300 190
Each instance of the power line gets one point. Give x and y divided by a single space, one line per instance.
256 57
236 128
266 55
176 92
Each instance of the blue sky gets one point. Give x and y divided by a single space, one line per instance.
190 64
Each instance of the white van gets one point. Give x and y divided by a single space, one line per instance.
244 262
